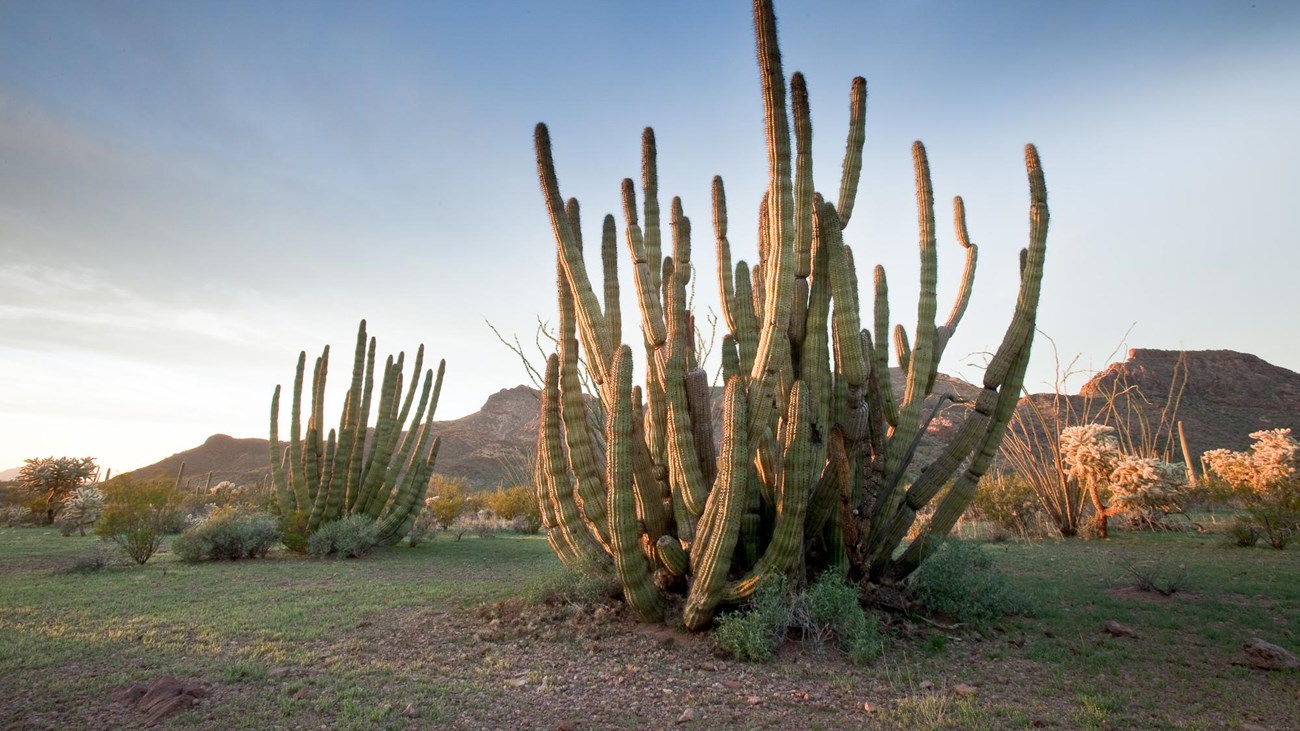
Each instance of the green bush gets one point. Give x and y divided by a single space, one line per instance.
136 529
582 586
826 613
350 537
228 534
1243 532
960 581
834 614
754 633
1008 502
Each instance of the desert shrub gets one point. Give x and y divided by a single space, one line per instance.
960 581
1264 480
228 534
755 632
82 507
1156 577
1243 532
137 530
517 504
138 514
1008 502
830 611
826 613
350 537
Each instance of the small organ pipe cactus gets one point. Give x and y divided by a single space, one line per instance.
815 443
381 472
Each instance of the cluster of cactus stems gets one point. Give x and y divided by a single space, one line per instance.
381 473
815 444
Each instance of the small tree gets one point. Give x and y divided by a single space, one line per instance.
1090 453
55 478
446 499
516 502
1265 480
137 515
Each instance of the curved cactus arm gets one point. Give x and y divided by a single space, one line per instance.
726 282
903 350
746 329
778 265
645 271
283 493
573 414
700 406
945 331
784 549
1011 361
672 556
624 531
591 322
852 168
1031 279
922 353
730 357
814 361
412 448
711 553
569 521
649 489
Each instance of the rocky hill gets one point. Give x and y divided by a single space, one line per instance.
1226 396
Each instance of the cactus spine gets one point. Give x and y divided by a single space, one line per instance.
815 443
321 478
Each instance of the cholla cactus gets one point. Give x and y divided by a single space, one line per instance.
1143 487
1265 479
82 507
1091 452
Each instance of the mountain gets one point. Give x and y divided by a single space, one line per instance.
491 446
1226 396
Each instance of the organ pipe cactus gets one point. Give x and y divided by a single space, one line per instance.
815 443
382 471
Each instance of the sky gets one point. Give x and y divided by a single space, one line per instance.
191 193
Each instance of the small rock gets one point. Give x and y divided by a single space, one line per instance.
927 685
410 711
964 690
866 706
1268 656
710 667
302 694
732 684
687 716
753 700
1120 630
518 682
566 726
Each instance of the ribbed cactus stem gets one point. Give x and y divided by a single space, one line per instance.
711 554
852 168
624 531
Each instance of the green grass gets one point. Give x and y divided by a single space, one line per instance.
294 642
232 622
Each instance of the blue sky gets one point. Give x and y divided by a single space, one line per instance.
191 193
